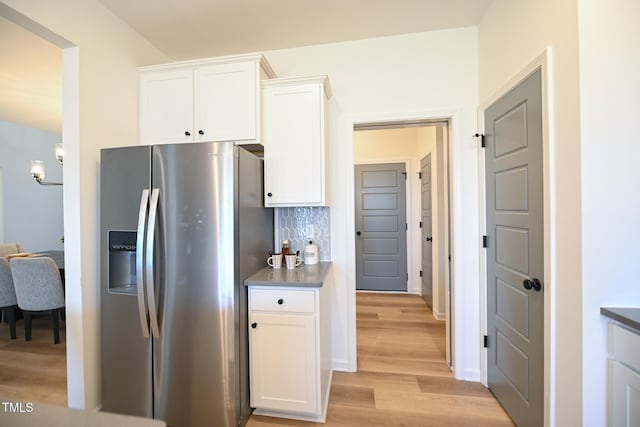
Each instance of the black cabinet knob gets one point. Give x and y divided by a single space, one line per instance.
254 325
187 133
358 233
532 284
269 194
280 301
201 132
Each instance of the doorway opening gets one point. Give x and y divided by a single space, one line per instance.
390 198
33 214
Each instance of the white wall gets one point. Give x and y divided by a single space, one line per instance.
510 36
402 145
32 213
609 109
100 109
416 75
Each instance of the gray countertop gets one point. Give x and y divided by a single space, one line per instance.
629 316
310 276
22 414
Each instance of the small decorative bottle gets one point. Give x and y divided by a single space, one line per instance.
285 251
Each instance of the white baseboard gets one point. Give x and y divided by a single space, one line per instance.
472 375
439 316
341 365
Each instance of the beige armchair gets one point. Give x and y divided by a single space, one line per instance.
10 248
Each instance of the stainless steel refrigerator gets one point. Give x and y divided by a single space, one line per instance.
182 226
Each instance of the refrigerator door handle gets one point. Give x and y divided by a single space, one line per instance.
142 307
151 297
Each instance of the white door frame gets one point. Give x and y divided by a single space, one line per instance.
454 118
542 62
78 375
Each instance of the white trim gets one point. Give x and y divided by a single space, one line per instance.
77 387
413 259
454 117
544 63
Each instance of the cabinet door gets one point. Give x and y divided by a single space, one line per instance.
166 107
626 396
283 362
293 135
225 102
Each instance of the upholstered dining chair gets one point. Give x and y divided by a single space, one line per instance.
38 289
8 301
10 248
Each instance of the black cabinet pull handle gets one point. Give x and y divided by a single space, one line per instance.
187 133
532 284
429 239
201 132
269 194
280 301
358 233
254 325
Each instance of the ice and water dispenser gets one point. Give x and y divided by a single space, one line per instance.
122 262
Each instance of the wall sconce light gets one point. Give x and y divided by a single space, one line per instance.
37 167
59 152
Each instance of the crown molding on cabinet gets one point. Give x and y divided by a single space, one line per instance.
259 57
320 78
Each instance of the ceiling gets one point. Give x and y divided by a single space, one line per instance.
31 68
30 79
188 29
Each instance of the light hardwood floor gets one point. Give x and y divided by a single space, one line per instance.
34 371
402 377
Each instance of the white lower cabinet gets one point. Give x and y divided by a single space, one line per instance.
288 340
624 377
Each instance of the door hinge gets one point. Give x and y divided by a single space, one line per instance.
405 175
486 341
481 136
407 276
485 241
449 257
419 175
420 273
420 224
406 226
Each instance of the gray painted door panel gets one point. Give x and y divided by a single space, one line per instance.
426 232
513 160
381 247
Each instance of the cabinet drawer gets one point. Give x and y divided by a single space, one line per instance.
626 346
285 300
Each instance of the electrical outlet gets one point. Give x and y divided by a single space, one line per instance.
310 231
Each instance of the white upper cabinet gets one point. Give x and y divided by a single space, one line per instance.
161 121
294 135
215 99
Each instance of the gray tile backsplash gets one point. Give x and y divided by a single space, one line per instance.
293 225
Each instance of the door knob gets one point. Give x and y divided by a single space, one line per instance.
201 132
269 194
358 233
280 301
532 284
254 325
429 239
187 133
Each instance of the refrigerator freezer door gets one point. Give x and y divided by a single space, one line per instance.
195 365
125 354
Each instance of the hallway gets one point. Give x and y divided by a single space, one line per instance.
402 377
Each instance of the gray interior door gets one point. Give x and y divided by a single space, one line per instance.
513 159
381 227
426 235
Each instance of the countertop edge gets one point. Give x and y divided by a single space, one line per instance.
614 313
300 277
